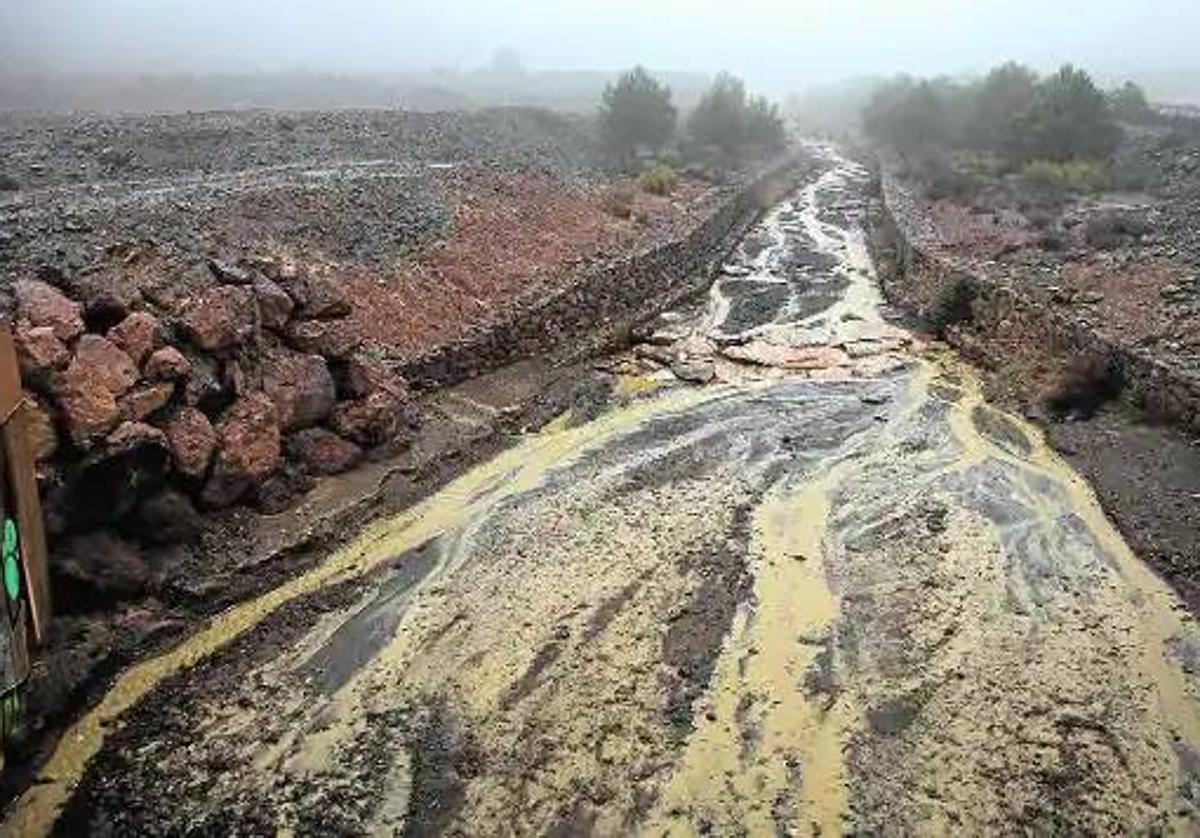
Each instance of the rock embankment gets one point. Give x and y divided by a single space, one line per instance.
1028 317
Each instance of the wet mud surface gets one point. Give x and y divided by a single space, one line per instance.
829 590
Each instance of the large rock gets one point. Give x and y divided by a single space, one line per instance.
274 304
192 440
40 353
370 421
229 273
220 318
88 390
137 335
323 452
249 450
167 364
301 387
40 304
108 298
362 374
100 359
335 340
112 480
316 297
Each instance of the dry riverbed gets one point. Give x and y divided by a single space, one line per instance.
796 575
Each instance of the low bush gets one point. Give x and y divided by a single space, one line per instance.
1073 176
954 305
1083 385
618 202
8 183
1113 229
671 158
659 181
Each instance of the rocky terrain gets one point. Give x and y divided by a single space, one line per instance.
1085 314
780 569
214 311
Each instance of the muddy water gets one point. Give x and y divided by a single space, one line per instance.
831 591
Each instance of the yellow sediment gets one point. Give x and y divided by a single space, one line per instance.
764 754
513 471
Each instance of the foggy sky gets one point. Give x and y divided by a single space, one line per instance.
776 45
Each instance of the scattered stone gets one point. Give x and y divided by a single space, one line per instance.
323 452
137 335
334 340
249 450
301 387
41 304
369 421
143 401
274 304
192 440
229 273
167 364
220 318
699 372
658 354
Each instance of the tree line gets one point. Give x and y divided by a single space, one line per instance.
637 113
1011 113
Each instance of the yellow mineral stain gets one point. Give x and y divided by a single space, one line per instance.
765 755
514 471
1160 617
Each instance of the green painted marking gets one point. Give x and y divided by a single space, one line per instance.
12 564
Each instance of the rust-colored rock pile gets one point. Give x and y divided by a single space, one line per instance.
234 382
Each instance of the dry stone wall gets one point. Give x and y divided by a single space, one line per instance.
597 310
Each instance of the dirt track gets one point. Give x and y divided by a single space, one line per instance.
831 589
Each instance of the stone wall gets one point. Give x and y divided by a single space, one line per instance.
919 278
595 312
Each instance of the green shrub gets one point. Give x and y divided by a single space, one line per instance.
671 158
659 181
8 183
1083 176
953 305
618 202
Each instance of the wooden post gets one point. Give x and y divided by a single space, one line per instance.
23 490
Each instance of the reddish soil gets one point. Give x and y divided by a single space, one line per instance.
511 233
